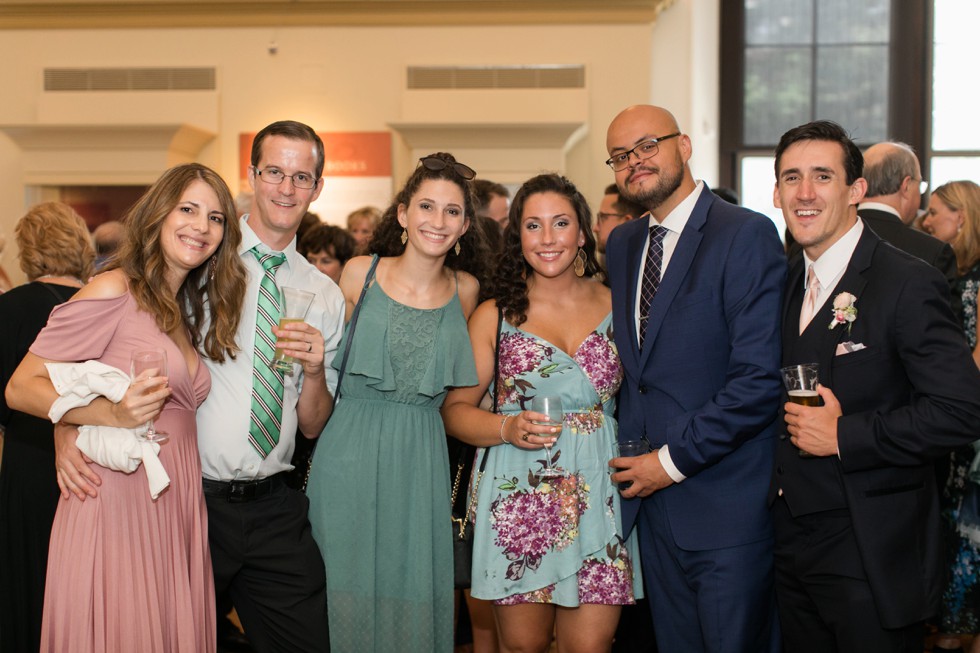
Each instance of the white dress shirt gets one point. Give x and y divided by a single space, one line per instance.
223 419
675 222
830 267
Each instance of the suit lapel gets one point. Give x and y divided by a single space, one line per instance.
680 263
853 281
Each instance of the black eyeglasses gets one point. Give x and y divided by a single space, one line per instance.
435 163
643 151
275 176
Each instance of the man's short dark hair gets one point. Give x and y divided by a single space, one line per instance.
623 205
824 130
483 192
289 129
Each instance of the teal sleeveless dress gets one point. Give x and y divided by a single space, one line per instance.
379 485
558 541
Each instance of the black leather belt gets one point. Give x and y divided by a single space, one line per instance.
242 491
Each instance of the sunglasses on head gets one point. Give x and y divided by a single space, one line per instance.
435 164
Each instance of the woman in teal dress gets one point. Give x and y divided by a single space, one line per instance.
379 483
548 551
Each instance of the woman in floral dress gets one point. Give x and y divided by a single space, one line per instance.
548 552
954 217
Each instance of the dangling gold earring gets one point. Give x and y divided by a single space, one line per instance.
579 265
456 249
212 266
404 236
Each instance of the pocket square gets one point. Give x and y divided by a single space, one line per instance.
849 347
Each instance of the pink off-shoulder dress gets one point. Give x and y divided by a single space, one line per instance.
125 572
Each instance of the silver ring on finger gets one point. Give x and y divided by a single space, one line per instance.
309 346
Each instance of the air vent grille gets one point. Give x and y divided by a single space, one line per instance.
129 79
460 77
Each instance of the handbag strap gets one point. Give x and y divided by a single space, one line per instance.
353 322
483 458
343 361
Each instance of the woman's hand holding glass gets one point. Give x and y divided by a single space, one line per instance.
529 430
147 393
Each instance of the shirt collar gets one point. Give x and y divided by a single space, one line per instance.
677 219
878 206
831 263
251 240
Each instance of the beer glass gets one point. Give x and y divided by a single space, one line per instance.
295 305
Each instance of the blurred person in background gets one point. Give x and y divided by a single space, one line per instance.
328 248
361 225
492 200
954 217
107 237
55 252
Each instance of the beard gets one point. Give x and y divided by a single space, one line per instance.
666 184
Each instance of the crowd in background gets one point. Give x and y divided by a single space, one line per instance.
449 313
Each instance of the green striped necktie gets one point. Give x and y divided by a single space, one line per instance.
267 383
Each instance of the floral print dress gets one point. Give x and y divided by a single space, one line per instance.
961 599
555 540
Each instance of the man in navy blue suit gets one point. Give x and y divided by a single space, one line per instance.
697 286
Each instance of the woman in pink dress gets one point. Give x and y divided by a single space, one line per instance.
127 572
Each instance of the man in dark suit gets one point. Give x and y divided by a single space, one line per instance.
891 202
857 522
697 285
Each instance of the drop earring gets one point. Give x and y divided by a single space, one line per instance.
579 265
404 236
456 248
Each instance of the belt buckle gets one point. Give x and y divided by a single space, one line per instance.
238 492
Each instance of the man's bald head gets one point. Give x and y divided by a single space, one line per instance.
893 175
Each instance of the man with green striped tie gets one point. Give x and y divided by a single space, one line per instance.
261 547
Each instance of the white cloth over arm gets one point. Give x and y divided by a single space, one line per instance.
119 449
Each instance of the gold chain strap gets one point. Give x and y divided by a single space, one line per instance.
469 504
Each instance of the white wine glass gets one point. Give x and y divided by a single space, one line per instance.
149 362
550 406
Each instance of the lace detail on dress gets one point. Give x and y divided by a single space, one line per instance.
411 340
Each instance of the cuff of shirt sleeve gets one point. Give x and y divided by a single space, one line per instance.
664 454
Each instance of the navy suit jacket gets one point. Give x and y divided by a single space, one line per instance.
706 382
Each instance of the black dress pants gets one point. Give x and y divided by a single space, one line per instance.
263 552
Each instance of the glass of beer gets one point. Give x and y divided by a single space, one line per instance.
800 382
295 305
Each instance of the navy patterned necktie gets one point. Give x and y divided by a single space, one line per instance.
651 274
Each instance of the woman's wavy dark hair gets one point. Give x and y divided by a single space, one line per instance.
220 282
473 254
509 285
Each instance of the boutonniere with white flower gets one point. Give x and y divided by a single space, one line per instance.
844 310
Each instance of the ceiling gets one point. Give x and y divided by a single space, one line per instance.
128 14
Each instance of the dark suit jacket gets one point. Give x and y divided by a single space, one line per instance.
921 245
707 380
912 395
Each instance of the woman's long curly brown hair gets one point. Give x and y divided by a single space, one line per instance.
509 285
473 254
220 282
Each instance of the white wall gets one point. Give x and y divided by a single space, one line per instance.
353 78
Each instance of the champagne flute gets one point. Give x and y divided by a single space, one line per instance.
550 406
149 362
